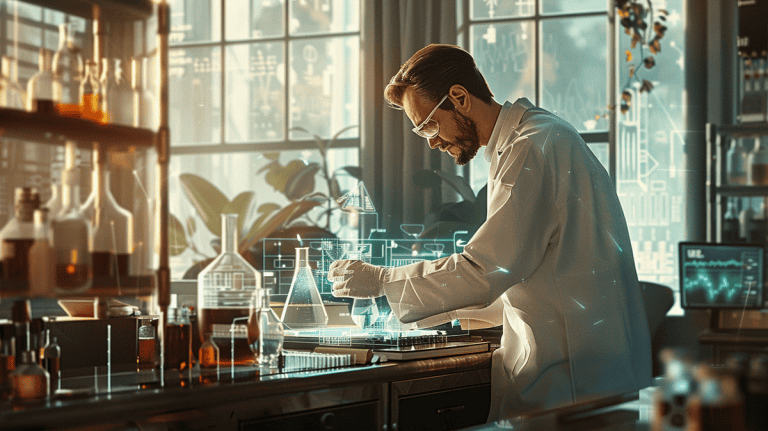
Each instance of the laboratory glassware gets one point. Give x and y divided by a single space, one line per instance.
136 91
40 86
224 290
757 164
108 87
111 241
52 359
67 68
265 331
147 358
304 307
178 334
16 238
42 257
29 381
730 230
71 231
11 93
89 92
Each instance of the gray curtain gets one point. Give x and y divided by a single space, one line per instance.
390 153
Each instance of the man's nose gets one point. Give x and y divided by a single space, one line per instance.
434 142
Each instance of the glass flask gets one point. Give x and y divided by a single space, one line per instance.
736 163
304 307
148 356
757 164
16 238
209 359
265 331
71 230
29 381
40 86
111 241
89 92
42 281
11 93
67 68
51 360
224 290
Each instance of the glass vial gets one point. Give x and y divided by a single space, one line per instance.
111 240
265 331
90 107
731 230
224 290
40 86
42 257
758 164
179 343
67 68
736 163
209 359
29 381
71 231
108 88
16 239
148 357
304 307
52 360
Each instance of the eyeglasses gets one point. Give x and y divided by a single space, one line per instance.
429 127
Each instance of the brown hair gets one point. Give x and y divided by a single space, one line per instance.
432 71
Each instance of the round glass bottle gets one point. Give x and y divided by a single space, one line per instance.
757 164
29 381
304 307
40 86
736 163
224 290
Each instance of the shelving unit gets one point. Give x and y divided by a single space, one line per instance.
716 186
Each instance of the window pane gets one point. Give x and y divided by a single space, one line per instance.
195 21
195 95
324 16
484 9
252 19
255 92
324 85
196 246
650 162
574 71
570 6
504 55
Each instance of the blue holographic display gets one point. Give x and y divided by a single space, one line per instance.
721 275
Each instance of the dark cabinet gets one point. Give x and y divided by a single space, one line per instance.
362 416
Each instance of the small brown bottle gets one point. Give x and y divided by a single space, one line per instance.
29 381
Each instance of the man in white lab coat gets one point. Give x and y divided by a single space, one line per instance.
552 262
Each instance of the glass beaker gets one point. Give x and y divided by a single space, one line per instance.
757 164
304 307
265 331
224 290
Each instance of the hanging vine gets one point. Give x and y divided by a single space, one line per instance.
635 18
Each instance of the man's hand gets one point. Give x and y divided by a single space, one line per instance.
357 279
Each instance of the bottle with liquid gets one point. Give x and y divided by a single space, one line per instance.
265 331
21 316
40 86
71 231
29 381
730 229
108 87
209 359
757 164
16 239
52 360
42 257
148 357
736 163
67 69
90 107
224 290
746 219
179 344
304 307
111 241
12 94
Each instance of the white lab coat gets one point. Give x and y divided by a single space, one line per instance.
556 251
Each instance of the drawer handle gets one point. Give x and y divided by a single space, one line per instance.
449 409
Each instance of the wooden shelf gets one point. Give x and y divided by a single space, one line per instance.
113 10
55 129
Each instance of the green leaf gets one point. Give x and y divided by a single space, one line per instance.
267 208
354 171
460 184
318 139
289 213
335 190
177 239
240 205
208 200
301 182
426 179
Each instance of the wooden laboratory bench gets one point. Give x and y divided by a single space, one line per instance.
438 393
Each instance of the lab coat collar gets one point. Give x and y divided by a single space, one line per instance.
509 118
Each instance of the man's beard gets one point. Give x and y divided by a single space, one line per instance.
467 141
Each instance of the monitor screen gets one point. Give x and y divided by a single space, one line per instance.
721 275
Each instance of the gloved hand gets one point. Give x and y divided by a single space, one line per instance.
357 279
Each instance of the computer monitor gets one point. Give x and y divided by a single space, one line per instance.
721 275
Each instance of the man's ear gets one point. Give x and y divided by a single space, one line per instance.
460 98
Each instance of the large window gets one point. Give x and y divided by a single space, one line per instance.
254 84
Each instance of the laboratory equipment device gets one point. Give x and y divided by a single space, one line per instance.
265 331
224 291
721 275
304 307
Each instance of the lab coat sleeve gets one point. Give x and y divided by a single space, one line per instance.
506 249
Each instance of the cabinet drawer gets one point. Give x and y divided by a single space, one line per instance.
354 417
444 410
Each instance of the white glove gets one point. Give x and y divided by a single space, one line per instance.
357 279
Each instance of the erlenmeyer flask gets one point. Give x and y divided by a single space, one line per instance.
304 307
224 290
